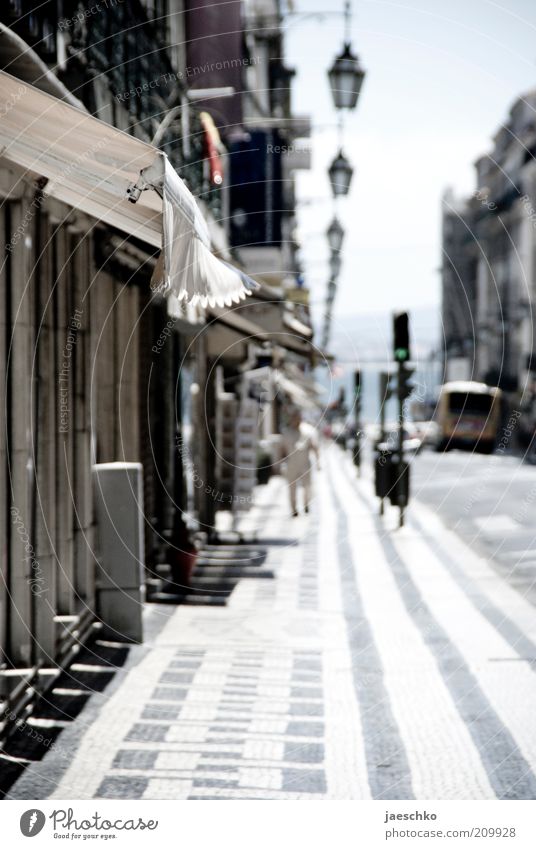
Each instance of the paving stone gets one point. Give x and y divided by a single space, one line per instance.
221 741
246 677
305 709
261 778
243 689
225 729
139 759
177 678
306 677
205 767
304 752
177 761
264 750
168 788
189 654
224 755
180 732
306 693
161 712
122 787
214 782
171 694
304 781
305 729
225 710
308 664
147 732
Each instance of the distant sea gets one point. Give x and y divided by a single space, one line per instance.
364 342
427 379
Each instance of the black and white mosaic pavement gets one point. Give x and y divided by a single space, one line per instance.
374 664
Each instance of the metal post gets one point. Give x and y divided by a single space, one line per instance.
357 423
384 382
401 496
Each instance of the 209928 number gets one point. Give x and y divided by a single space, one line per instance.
494 832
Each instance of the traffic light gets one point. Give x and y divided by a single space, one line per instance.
401 337
405 388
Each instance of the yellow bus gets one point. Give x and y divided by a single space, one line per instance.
468 415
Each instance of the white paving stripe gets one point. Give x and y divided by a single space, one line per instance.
443 759
345 758
504 597
496 523
256 519
248 594
508 683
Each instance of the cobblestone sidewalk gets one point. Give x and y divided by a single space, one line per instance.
376 664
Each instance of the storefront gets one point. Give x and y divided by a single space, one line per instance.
91 345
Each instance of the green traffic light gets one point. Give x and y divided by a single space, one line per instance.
401 354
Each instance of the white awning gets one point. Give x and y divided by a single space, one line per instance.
19 59
186 242
297 394
91 166
298 326
305 381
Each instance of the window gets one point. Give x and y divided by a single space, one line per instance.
470 403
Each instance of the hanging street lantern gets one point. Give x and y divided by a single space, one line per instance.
340 174
345 79
346 74
335 234
335 263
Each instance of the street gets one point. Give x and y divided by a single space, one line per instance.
375 663
489 503
268 268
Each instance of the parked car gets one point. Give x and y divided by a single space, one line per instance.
427 432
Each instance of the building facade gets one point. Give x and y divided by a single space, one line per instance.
98 364
488 271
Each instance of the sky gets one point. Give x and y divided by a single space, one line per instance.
441 78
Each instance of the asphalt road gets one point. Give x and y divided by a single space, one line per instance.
490 501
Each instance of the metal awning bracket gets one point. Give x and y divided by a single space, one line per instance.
151 177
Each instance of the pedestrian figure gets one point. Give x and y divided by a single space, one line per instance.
299 442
